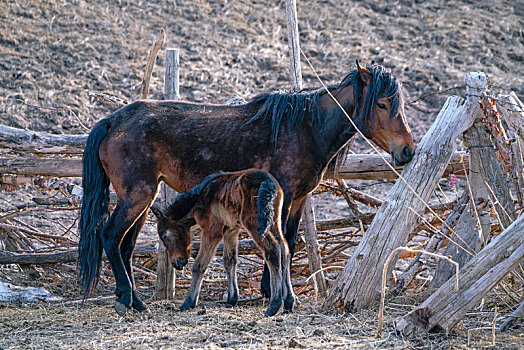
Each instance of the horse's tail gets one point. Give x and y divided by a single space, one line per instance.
95 209
267 193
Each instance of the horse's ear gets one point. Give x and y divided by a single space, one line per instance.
188 221
158 213
364 73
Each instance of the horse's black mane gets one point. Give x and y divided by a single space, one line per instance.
292 108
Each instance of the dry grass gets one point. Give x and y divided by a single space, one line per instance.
67 324
212 325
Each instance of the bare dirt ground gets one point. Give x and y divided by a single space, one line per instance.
53 53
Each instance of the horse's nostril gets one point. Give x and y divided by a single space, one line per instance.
407 154
182 262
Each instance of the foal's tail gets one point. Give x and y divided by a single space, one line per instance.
267 193
95 209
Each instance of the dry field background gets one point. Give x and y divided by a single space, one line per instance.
53 53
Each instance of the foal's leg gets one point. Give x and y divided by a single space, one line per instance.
230 257
126 249
208 246
123 217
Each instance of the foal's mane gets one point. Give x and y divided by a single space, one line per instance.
184 202
292 108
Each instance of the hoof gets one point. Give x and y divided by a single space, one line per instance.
272 310
120 308
186 306
270 313
232 302
139 306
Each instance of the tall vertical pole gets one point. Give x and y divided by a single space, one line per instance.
310 232
165 283
294 45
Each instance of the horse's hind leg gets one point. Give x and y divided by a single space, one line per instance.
208 245
126 249
230 264
124 216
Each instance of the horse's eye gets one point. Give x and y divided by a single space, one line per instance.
381 106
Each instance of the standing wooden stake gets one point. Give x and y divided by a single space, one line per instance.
165 282
171 87
159 42
308 218
358 286
515 121
294 45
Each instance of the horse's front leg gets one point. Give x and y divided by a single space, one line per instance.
208 245
230 257
126 249
273 258
287 289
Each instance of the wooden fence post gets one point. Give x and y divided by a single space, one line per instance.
310 233
165 282
359 285
474 225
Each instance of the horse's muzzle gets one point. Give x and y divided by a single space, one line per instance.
179 263
404 157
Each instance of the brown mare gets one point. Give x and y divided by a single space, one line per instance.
293 136
221 205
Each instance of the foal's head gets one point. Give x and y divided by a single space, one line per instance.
176 237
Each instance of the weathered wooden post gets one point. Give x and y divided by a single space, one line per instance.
308 218
515 120
359 285
487 182
165 282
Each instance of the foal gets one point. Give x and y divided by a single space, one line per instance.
220 205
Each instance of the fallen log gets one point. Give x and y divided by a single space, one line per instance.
513 319
24 140
445 308
358 286
357 167
245 247
60 167
372 167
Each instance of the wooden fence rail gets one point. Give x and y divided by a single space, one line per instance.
356 167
